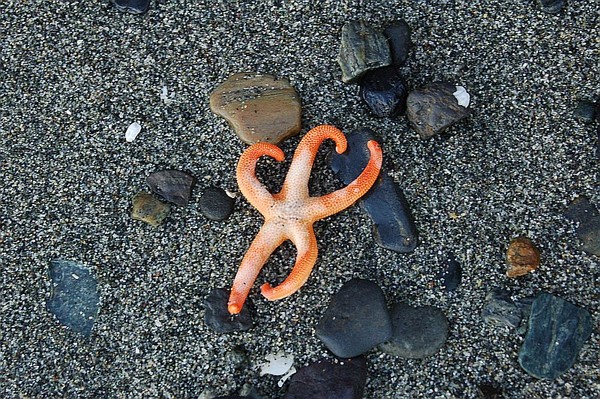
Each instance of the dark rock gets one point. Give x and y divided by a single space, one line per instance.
132 6
580 210
237 357
218 318
557 331
384 91
522 257
149 209
417 332
215 204
433 108
393 224
500 310
589 234
356 319
362 48
398 35
330 379
551 6
74 300
586 111
451 274
488 391
172 185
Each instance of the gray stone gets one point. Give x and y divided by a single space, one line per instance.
585 111
580 210
132 6
557 332
551 6
215 204
172 185
500 310
218 318
589 235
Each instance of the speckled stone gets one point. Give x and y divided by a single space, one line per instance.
216 204
172 185
500 310
149 209
551 6
258 107
218 318
522 257
132 6
384 91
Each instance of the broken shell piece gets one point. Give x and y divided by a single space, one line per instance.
462 96
132 131
279 364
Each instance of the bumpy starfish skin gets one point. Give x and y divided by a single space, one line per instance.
290 214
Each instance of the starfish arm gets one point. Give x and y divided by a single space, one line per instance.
296 181
267 240
249 184
339 200
306 244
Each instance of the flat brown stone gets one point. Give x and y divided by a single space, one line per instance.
258 107
522 257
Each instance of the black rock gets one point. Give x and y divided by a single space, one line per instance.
398 35
172 185
580 210
488 391
585 214
557 331
218 318
362 48
500 310
586 111
433 108
356 319
330 379
74 300
132 6
551 6
384 91
215 204
417 332
385 203
451 273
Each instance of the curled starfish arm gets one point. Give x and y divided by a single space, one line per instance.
341 199
306 244
249 184
266 241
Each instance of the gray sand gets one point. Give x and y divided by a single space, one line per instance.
74 75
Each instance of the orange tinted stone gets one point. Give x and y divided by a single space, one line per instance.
522 257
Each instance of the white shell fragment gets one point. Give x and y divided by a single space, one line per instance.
132 131
462 96
278 364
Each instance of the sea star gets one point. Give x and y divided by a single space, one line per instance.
290 214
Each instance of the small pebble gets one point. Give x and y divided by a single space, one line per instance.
417 332
215 204
588 233
218 318
132 132
580 210
522 257
397 34
488 391
451 273
172 185
384 91
132 6
557 332
585 111
552 6
500 310
149 209
356 319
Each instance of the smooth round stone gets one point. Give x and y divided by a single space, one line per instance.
215 204
330 378
522 257
397 34
384 91
258 107
362 48
500 310
172 185
356 319
132 6
433 108
218 318
557 332
417 332
149 209
551 6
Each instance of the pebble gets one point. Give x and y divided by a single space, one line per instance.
580 210
557 331
356 319
397 34
75 299
149 209
451 273
330 378
585 214
132 6
384 91
417 332
172 185
433 108
522 257
216 204
488 391
362 48
552 6
218 318
500 310
385 203
585 111
132 132
258 107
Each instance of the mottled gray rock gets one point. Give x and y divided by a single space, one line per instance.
384 91
172 185
218 318
557 332
132 6
215 204
398 35
551 6
362 48
500 310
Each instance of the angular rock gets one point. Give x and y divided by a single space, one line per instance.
500 310
589 235
216 204
258 107
451 274
522 257
356 319
417 332
384 91
172 185
132 6
149 209
397 34
557 332
433 108
385 203
74 300
329 379
585 111
362 48
218 318
552 6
